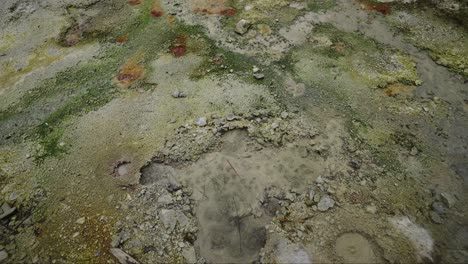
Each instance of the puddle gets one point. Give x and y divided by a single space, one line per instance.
355 248
229 187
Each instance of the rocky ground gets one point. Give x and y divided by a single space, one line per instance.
233 131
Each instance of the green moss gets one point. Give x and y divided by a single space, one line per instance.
320 5
444 40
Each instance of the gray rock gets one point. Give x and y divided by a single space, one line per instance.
284 114
170 218
259 76
230 117
288 252
13 196
122 257
165 199
290 196
242 26
201 122
3 255
6 211
447 199
178 94
439 207
435 217
189 255
80 221
325 203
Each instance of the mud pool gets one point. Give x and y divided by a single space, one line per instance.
233 131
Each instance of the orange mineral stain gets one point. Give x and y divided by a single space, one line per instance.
156 10
384 8
129 73
228 12
179 48
134 2
122 39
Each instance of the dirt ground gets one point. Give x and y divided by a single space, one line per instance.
233 131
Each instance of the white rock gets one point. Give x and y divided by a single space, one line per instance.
419 237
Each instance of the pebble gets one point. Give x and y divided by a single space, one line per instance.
325 203
284 114
80 221
242 26
447 199
435 217
178 94
6 210
259 76
371 209
201 122
165 199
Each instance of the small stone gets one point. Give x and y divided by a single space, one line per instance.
6 211
325 203
122 257
165 199
371 209
242 26
290 196
80 221
230 117
201 122
13 196
259 76
284 115
168 218
435 217
189 255
439 207
414 151
178 94
255 69
274 125
3 255
75 234
447 199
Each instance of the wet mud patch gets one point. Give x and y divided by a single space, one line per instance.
232 188
355 248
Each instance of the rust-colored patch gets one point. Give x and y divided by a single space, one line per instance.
228 12
339 47
122 39
178 51
212 7
384 8
396 88
156 10
179 48
129 73
134 2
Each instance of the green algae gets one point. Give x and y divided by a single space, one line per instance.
446 43
374 64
